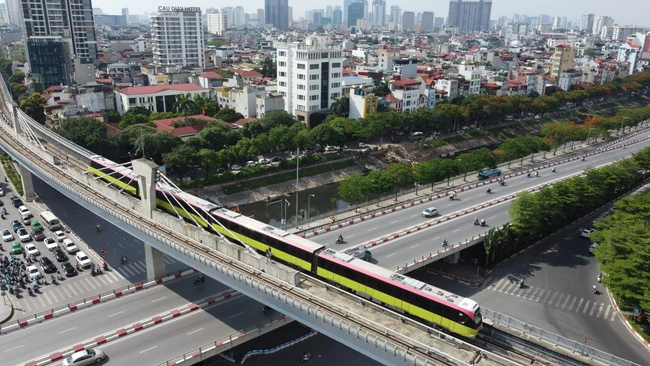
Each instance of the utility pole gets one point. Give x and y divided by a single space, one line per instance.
297 175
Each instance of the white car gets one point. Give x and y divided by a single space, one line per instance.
593 246
70 246
7 235
430 212
585 232
85 357
235 167
60 236
251 163
331 148
33 272
24 211
362 145
83 260
50 244
264 161
23 235
31 249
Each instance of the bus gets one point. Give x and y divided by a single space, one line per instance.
489 174
52 222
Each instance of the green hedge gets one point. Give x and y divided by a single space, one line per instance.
285 177
13 175
641 329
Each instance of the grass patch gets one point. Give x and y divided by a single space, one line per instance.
435 143
13 175
286 177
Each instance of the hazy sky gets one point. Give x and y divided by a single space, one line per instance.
572 9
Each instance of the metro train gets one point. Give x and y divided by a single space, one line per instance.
417 299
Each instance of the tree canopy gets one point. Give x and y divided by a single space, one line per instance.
34 107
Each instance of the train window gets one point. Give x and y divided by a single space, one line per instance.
361 278
462 318
372 282
436 307
409 297
397 292
385 287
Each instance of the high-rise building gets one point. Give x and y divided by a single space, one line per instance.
355 12
178 38
470 15
290 15
601 22
426 25
346 4
395 14
621 32
587 23
66 18
418 17
329 10
49 62
238 18
337 16
309 76
379 12
277 13
562 59
14 12
365 9
218 22
125 13
408 21
260 16
438 22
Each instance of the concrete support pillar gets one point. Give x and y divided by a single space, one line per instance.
28 184
455 257
155 261
146 171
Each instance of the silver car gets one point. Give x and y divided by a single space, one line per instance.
85 357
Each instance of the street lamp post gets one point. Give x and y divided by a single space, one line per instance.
308 206
589 134
416 188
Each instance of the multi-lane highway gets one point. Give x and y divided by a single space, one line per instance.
404 249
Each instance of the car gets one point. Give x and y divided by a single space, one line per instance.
16 225
24 211
7 235
331 148
38 234
221 170
60 255
16 248
37 225
26 221
60 235
318 150
235 167
585 232
362 145
251 163
68 269
430 212
264 161
593 246
33 272
85 357
2 192
70 246
17 202
50 244
276 159
83 260
31 249
23 235
47 266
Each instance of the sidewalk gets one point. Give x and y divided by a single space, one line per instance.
6 309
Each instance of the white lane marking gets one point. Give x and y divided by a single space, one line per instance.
600 310
67 330
566 301
116 313
372 229
540 295
236 315
162 298
573 302
148 349
388 256
415 215
393 222
491 217
613 315
579 305
349 236
455 231
609 307
11 349
584 310
593 308
416 245
194 331
437 237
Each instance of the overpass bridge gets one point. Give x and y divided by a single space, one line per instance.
377 332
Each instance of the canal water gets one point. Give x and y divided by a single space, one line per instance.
323 201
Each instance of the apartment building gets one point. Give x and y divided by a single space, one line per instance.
362 103
405 95
177 37
218 22
562 60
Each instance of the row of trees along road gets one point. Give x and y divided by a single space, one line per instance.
355 188
536 215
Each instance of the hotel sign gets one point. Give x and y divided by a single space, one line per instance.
180 9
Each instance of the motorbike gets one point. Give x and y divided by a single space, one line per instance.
522 284
489 190
553 170
528 175
105 267
503 183
595 290
199 280
123 259
36 288
600 278
29 291
483 223
305 358
339 241
60 277
476 222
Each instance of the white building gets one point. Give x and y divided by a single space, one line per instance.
309 75
267 102
405 95
177 37
218 22
362 103
156 98
621 32
448 87
473 74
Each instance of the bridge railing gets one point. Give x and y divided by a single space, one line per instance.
576 347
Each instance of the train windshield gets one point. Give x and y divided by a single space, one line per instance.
478 318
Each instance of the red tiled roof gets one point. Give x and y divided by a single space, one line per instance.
211 75
246 74
153 89
428 80
406 82
244 121
54 88
392 98
187 130
167 123
113 129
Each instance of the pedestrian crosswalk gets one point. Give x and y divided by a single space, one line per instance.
576 304
139 268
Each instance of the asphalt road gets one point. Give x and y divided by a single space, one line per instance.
421 243
21 345
559 273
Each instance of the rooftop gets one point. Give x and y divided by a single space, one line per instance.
154 89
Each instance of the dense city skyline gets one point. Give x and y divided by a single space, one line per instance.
572 10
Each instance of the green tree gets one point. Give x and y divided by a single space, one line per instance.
526 214
277 118
162 115
89 133
34 107
228 115
17 89
181 159
17 77
353 188
185 105
282 138
403 175
134 119
381 90
156 145
326 135
303 139
137 110
113 116
209 159
341 107
205 106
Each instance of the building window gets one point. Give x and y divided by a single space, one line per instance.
301 66
301 77
313 77
336 95
282 64
282 83
336 74
301 87
301 97
324 55
132 101
300 107
282 53
313 87
282 74
336 85
313 97
313 108
336 65
313 67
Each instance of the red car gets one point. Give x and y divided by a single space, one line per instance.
38 234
